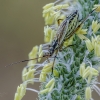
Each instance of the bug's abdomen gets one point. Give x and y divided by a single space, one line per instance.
73 23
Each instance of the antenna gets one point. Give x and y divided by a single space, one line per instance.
22 61
25 61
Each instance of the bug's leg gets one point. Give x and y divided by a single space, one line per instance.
48 54
23 61
54 60
67 47
47 58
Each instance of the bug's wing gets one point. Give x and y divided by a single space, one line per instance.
71 25
63 32
61 28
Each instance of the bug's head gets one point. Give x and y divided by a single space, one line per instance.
76 12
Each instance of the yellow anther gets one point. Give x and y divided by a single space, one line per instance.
97 7
55 73
30 74
42 77
49 65
81 31
89 72
78 97
95 26
48 13
48 5
89 45
86 72
44 91
49 34
95 72
17 97
93 40
49 20
18 89
50 83
51 87
82 68
49 69
40 49
59 7
32 55
23 73
68 42
31 64
97 49
21 90
88 94
96 45
40 55
82 37
90 77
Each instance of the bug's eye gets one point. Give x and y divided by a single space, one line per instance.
76 11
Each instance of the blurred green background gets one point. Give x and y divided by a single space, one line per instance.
21 28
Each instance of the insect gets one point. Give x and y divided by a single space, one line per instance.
64 32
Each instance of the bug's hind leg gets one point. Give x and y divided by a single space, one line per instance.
66 47
56 52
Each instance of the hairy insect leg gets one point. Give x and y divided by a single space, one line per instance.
48 59
56 52
66 47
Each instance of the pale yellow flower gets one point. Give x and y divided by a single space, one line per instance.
33 54
48 6
50 83
89 45
24 72
88 72
29 75
88 94
49 34
46 69
80 32
97 7
55 73
82 68
49 86
21 90
51 12
96 45
44 91
42 77
59 7
95 26
68 42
